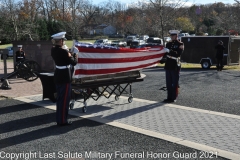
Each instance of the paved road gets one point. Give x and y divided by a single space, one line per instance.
26 128
205 89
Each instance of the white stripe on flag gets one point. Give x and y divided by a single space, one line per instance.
91 66
117 55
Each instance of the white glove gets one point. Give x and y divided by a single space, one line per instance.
74 50
65 47
166 50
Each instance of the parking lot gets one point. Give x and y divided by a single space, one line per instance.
145 125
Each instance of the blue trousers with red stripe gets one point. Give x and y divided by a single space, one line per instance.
63 99
172 78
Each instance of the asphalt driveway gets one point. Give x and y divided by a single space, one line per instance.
26 128
205 89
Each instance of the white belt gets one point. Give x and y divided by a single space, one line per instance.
175 58
172 57
62 67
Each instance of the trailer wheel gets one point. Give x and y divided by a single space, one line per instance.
206 64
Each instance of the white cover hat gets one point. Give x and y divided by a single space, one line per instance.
173 32
60 35
19 46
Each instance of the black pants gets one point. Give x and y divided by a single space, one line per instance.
219 64
172 78
63 99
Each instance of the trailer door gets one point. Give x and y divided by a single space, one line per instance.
233 56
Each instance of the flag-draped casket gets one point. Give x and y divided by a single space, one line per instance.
96 61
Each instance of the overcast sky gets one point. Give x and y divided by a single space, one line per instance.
189 1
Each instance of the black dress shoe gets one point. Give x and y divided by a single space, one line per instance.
172 101
65 124
166 100
169 101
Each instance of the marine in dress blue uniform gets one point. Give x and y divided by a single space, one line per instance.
20 54
172 66
219 55
62 77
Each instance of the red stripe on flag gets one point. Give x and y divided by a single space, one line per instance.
113 70
118 60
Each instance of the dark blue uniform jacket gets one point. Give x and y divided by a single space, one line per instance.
61 58
175 51
219 48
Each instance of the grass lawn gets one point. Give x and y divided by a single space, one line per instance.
5 45
70 43
235 67
185 65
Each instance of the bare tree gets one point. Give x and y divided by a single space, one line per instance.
11 13
19 19
167 11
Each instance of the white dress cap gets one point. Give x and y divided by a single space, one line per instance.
172 32
19 46
60 35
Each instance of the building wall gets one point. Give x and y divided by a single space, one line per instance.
99 31
109 30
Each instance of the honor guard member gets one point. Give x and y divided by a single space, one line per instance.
172 66
20 54
62 77
219 55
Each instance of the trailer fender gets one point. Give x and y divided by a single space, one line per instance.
206 63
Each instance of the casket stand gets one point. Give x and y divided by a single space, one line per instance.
105 85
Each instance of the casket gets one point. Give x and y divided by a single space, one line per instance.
102 63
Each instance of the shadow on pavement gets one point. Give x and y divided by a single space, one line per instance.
27 122
132 111
45 132
18 124
13 108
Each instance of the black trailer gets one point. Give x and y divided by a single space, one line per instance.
201 50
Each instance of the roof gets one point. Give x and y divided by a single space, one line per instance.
102 26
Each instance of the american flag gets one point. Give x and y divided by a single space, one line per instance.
95 60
